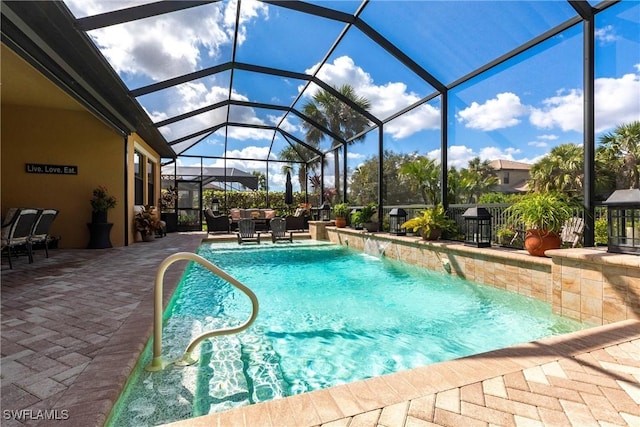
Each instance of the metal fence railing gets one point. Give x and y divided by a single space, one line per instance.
497 210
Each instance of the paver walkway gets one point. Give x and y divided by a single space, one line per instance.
73 326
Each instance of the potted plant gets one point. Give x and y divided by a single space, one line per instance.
364 216
101 202
509 236
340 212
146 223
430 223
543 215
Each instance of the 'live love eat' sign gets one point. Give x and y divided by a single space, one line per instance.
51 169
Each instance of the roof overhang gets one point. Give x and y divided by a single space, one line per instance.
45 36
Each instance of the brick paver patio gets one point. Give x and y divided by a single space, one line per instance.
73 326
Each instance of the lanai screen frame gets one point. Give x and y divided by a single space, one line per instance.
585 14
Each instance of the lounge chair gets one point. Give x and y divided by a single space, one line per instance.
297 221
279 230
18 231
42 228
572 231
247 231
216 222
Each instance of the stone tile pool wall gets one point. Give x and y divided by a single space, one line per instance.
586 284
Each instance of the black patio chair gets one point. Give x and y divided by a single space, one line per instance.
41 229
247 231
18 231
279 230
216 222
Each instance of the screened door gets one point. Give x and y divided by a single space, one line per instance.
189 205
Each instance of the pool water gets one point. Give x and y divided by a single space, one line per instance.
328 315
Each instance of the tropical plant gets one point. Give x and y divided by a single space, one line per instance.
341 210
601 231
624 143
262 180
431 220
168 198
476 179
509 236
364 215
542 211
333 114
561 170
297 156
146 222
101 200
423 175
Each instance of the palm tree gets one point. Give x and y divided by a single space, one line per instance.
330 112
478 178
423 174
624 143
562 170
294 155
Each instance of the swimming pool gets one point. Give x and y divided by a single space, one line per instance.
328 315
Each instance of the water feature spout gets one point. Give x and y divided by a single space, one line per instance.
374 247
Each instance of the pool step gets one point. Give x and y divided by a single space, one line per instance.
262 366
241 369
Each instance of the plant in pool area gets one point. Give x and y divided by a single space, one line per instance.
102 201
146 222
601 232
168 197
542 211
341 210
430 223
543 215
364 216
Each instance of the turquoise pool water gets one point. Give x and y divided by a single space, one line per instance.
328 315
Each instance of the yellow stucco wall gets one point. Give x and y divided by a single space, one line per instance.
135 143
62 137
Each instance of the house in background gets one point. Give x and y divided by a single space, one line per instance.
512 176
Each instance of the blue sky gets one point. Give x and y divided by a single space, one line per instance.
517 111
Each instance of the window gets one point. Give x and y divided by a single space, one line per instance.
505 178
139 183
145 170
151 199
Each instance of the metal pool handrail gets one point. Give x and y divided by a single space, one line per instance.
157 363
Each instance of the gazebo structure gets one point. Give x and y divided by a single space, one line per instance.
200 78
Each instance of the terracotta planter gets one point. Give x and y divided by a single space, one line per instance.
341 222
538 241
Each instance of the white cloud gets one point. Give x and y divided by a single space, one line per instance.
617 100
539 144
385 99
563 110
423 117
606 34
497 113
458 156
548 137
285 124
167 45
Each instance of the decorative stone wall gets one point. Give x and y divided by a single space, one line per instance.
589 285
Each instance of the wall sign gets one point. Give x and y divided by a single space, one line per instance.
52 169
